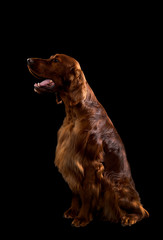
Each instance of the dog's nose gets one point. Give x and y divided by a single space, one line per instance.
29 61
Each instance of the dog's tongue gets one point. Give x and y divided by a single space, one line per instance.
45 83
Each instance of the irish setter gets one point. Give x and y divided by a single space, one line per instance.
90 154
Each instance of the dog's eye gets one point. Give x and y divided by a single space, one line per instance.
55 60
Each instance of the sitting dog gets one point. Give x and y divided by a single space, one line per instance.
90 154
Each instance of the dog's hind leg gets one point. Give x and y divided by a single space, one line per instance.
129 203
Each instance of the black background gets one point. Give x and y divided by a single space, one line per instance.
117 48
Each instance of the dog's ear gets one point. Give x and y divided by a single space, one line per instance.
73 76
74 73
76 82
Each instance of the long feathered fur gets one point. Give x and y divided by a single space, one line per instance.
90 154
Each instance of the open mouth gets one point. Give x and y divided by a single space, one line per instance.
46 84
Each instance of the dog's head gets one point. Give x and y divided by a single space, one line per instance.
60 74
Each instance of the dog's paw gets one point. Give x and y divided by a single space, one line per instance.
128 219
80 222
70 213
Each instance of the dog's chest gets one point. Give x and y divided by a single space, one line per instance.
68 157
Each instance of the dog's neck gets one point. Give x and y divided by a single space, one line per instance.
77 109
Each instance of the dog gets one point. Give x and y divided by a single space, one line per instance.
90 154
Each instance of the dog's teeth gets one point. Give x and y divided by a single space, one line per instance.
38 84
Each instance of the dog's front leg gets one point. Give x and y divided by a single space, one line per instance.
73 211
89 194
